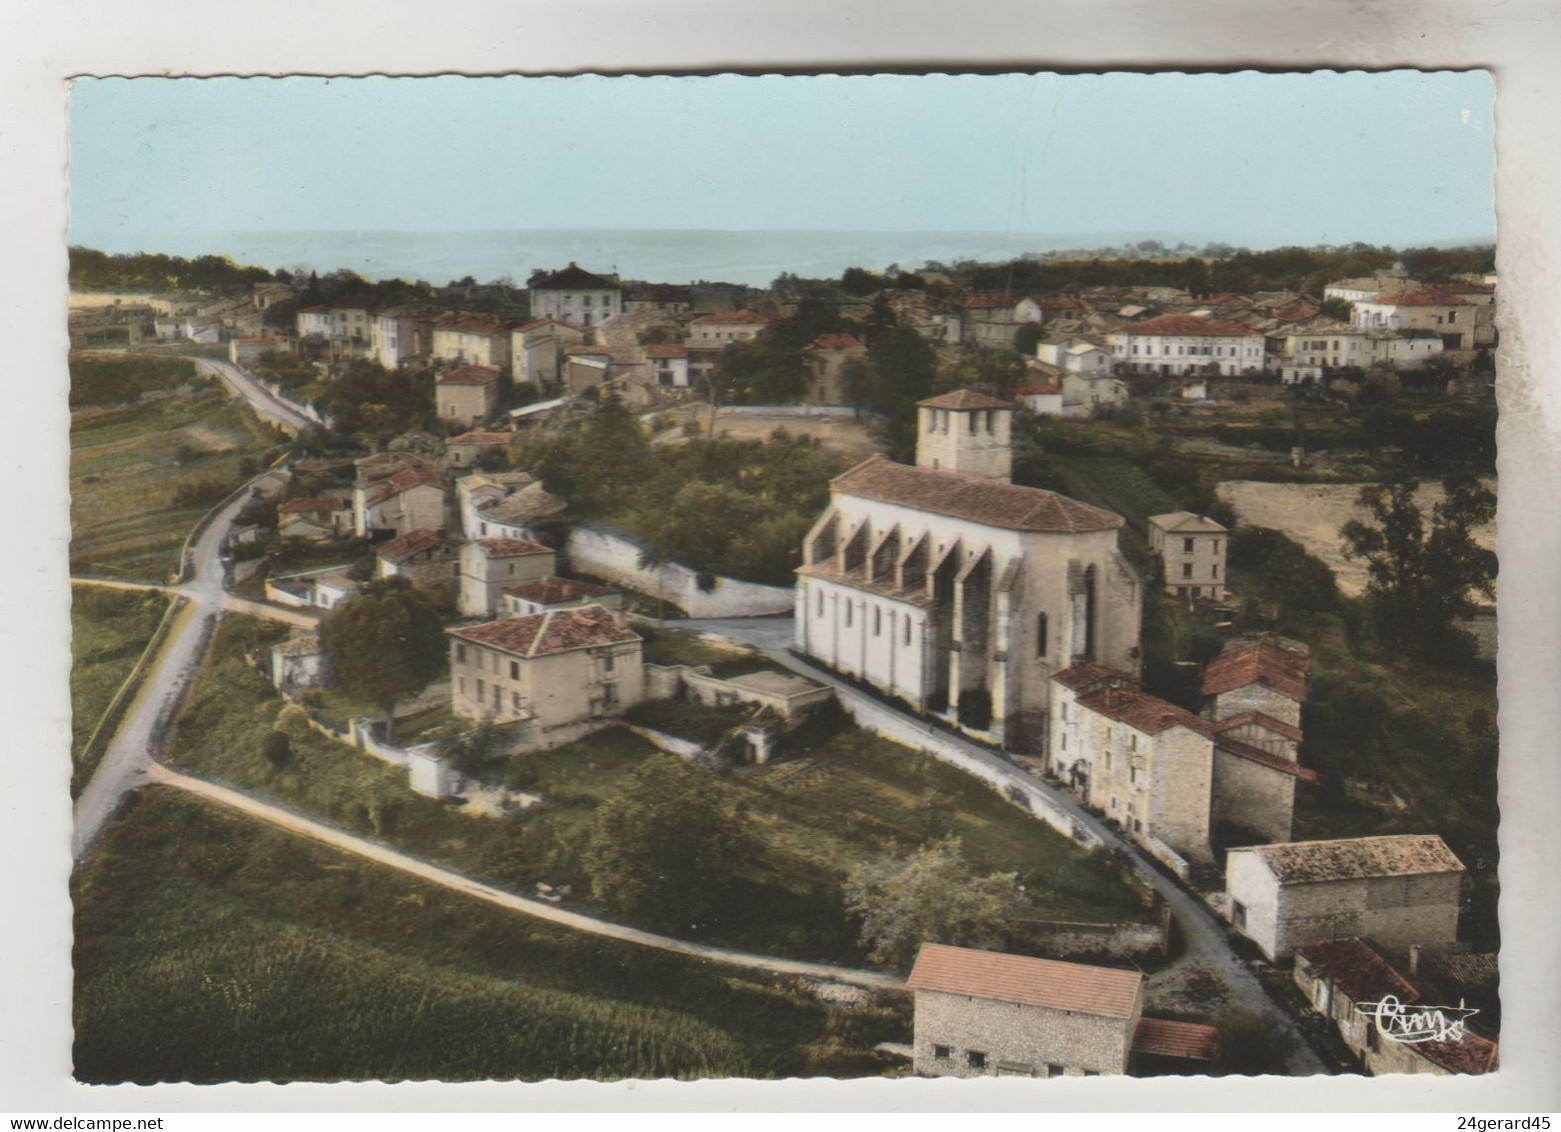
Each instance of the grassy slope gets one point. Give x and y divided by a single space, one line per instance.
843 796
126 473
213 948
109 631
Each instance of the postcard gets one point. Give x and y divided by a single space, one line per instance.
768 577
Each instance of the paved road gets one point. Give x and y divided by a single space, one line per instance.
241 384
384 855
1206 939
129 753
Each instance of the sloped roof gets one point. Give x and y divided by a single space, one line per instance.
474 324
1037 390
1086 672
666 350
735 318
544 634
990 300
1260 719
1424 297
1359 973
1143 712
1160 1037
1000 977
836 342
315 505
979 499
555 590
1353 858
510 547
469 375
1471 1054
1257 662
1263 758
478 437
965 399
413 542
573 278
1186 521
1186 326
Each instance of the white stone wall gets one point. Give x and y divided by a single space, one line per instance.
606 553
874 638
1019 1039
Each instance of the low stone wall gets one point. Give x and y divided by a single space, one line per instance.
616 556
1059 939
663 682
271 612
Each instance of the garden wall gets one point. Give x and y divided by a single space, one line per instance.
606 552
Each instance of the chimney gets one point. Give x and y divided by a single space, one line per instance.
1414 959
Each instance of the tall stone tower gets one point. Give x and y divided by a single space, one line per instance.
966 431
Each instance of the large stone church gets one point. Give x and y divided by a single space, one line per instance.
959 592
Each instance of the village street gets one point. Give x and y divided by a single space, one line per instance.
1206 944
243 385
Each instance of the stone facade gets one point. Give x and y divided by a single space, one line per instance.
1014 1040
1193 548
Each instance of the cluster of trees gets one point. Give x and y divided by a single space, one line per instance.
119 381
729 507
372 403
385 645
92 270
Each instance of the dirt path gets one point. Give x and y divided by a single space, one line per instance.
381 854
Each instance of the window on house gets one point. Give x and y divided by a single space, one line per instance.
1238 914
460 654
482 689
1186 569
1216 569
942 1053
1053 1070
976 1058
610 695
497 692
1113 802
463 685
1187 545
607 662
514 670
514 700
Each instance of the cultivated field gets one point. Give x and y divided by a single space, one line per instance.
1312 514
844 434
210 947
143 474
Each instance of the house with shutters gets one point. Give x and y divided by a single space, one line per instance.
466 396
547 669
576 296
472 340
1193 549
1179 345
947 586
1399 890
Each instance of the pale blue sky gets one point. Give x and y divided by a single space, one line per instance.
1251 159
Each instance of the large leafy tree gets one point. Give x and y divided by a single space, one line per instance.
1422 578
385 645
932 896
666 850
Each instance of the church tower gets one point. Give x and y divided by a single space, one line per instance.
966 431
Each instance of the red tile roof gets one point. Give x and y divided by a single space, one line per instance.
1038 390
1187 326
1359 973
994 975
478 437
511 547
544 634
538 323
1264 758
991 300
978 499
1058 303
1471 1054
408 478
555 591
469 375
743 317
1278 726
1353 858
317 503
836 342
474 324
413 542
1143 712
666 350
1425 297
1085 673
1159 1037
1257 662
965 399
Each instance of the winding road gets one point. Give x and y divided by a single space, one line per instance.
1206 941
243 385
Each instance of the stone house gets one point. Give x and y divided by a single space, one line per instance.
248 350
472 340
957 591
1193 548
669 364
315 519
1264 674
467 396
427 558
1178 345
827 358
548 669
488 566
1084 393
586 367
537 350
402 334
987 1014
658 298
1398 890
576 295
1425 308
1075 355
504 505
1042 398
399 503
464 450
323 588
299 662
553 593
1339 976
991 320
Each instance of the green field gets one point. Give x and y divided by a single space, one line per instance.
841 796
142 475
109 631
210 947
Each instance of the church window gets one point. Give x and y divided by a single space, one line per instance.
877 620
1040 634
848 613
